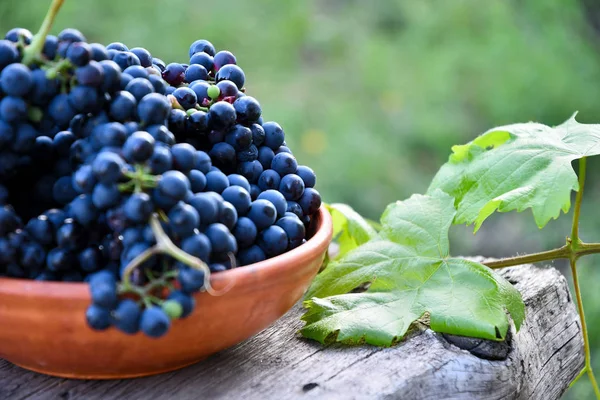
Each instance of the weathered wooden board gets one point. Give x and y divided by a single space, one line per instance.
546 354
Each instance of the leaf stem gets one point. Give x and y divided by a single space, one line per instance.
577 210
586 341
32 52
561 252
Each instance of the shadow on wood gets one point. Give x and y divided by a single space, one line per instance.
546 354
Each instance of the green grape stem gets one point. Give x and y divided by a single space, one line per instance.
32 52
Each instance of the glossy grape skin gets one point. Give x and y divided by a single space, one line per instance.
223 156
126 317
123 106
265 156
221 115
136 71
227 89
233 73
245 232
263 213
143 55
186 97
197 180
204 59
174 74
117 46
197 245
239 137
222 58
216 181
308 176
139 87
138 207
251 255
269 179
277 199
284 164
222 241
79 53
196 72
238 180
183 219
16 80
90 259
228 215
139 147
202 45
105 196
201 90
184 157
14 109
8 53
251 170
126 59
112 76
273 241
310 201
83 210
174 184
207 206
99 52
108 167
154 322
292 187
153 109
63 191
98 317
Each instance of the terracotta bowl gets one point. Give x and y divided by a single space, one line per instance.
43 327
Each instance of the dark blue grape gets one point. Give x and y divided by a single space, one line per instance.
251 170
139 147
123 106
117 46
99 52
17 34
208 207
228 215
186 97
274 135
277 199
71 35
184 157
221 239
310 201
137 71
223 156
174 184
197 180
63 191
8 53
108 167
269 179
239 137
247 109
160 86
126 317
112 76
79 53
84 180
25 139
197 245
223 58
161 160
238 197
98 317
308 176
183 219
174 74
70 235
159 63
222 115
62 143
233 73
251 255
291 187
144 56
153 109
265 156
254 191
84 99
14 109
105 196
263 213
16 80
55 216
196 72
294 229
283 149
204 59
139 87
112 134
273 241
200 88
59 260
203 162
138 207
284 164
238 180
83 211
202 45
32 256
245 232
7 134
191 280
154 322
90 259
216 181
227 89
126 59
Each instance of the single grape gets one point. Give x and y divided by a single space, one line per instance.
154 322
291 187
263 213
126 317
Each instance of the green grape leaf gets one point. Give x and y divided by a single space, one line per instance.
516 167
350 229
410 274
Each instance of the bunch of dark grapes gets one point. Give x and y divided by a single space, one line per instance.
139 177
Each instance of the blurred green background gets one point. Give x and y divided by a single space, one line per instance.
373 94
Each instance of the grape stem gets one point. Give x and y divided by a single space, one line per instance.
32 52
164 245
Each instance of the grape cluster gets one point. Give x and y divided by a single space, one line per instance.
139 177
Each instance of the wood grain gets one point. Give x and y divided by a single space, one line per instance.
545 356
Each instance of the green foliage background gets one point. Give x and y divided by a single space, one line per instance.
373 94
